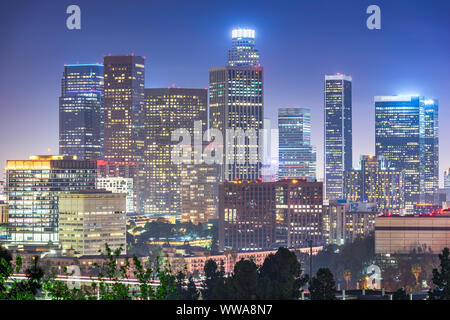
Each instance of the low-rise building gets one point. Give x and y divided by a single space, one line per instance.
89 219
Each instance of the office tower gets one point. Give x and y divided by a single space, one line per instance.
256 215
236 109
243 51
167 110
376 181
406 133
124 114
199 192
90 218
447 178
345 221
338 133
81 111
33 187
297 160
118 185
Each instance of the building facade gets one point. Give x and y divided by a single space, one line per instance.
90 219
236 110
256 215
3 212
124 114
345 221
81 111
297 159
338 133
33 188
375 181
118 185
447 178
406 133
403 234
167 110
243 51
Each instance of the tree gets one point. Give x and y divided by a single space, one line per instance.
322 286
244 282
280 276
214 285
441 279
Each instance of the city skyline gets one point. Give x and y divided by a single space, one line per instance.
403 72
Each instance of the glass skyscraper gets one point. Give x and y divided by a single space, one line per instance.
81 111
33 187
338 133
406 133
236 103
296 156
243 51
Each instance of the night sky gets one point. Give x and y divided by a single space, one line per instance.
299 42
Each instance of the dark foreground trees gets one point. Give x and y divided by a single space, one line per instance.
322 286
441 278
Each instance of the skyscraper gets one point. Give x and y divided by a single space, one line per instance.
165 111
338 133
447 178
33 188
124 114
243 51
376 182
296 156
406 133
236 103
124 96
81 111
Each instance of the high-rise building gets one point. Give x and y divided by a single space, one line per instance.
296 156
33 187
167 110
81 111
118 185
3 213
376 181
338 133
256 215
243 51
89 219
447 178
2 191
406 133
236 109
124 115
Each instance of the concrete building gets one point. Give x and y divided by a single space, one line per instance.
256 215
402 234
89 219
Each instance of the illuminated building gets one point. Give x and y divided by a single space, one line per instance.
447 178
406 133
118 185
2 191
403 234
124 114
81 111
33 187
338 133
199 192
165 111
297 159
90 218
345 221
235 103
375 181
3 212
256 215
243 51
